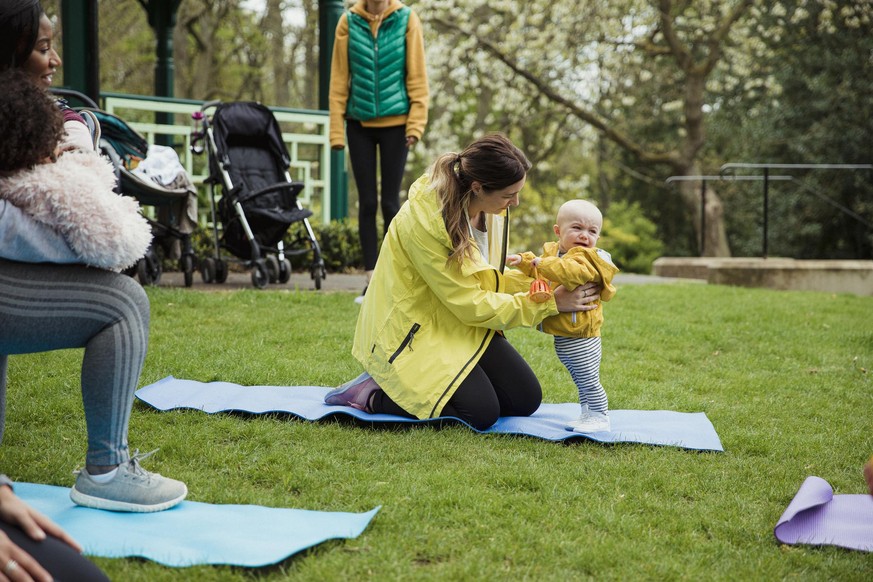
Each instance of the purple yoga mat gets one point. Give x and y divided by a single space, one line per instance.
818 517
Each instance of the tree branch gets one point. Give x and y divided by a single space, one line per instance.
589 117
716 39
679 51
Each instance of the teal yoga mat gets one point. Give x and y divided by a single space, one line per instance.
195 533
653 427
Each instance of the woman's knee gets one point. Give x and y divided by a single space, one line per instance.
530 400
475 401
484 419
480 417
135 295
367 208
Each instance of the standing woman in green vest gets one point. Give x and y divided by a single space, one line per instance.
379 96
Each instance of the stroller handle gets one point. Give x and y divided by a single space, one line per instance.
207 104
295 187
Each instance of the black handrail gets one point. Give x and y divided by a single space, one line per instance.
730 178
767 167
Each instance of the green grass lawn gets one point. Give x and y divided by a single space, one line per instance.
783 376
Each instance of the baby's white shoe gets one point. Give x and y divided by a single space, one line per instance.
590 421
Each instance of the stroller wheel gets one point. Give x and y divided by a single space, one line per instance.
260 276
272 268
220 271
284 271
149 269
207 270
186 263
317 275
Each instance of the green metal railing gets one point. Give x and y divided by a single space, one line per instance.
305 132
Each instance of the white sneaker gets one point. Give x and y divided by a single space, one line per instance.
591 421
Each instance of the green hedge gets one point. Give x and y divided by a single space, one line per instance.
340 247
631 238
628 235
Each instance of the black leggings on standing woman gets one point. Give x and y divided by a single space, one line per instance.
501 384
392 151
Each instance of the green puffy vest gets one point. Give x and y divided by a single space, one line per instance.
377 67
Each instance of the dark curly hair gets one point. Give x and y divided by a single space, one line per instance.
31 123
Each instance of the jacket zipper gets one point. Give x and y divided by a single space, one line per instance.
376 71
505 241
481 347
407 341
464 367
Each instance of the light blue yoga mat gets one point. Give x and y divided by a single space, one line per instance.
195 533
653 427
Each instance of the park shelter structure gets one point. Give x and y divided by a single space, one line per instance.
81 37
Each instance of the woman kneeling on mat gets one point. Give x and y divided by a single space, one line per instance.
429 331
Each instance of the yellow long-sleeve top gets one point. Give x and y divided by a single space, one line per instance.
416 76
576 267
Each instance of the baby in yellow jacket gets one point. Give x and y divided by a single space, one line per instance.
572 261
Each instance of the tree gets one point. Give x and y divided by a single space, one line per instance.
809 104
684 41
689 36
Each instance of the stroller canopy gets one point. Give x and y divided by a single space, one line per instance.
127 143
244 123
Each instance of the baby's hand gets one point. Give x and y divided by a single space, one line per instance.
536 262
513 260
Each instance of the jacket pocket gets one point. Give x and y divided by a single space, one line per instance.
407 342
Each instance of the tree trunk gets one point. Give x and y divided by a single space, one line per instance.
713 241
708 223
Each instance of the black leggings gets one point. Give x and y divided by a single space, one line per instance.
61 561
501 384
392 151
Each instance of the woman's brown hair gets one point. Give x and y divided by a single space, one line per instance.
494 162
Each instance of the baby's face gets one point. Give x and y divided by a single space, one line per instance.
578 229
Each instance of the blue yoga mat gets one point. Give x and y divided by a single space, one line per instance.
653 427
818 517
195 533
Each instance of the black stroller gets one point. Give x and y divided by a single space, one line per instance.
125 148
249 162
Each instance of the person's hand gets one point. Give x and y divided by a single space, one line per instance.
581 298
14 511
536 262
513 260
411 140
868 475
15 563
338 148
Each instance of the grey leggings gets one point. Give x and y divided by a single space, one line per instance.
46 307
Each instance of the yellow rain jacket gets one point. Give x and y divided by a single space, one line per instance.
425 323
576 267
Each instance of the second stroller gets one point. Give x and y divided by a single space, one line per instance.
248 165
